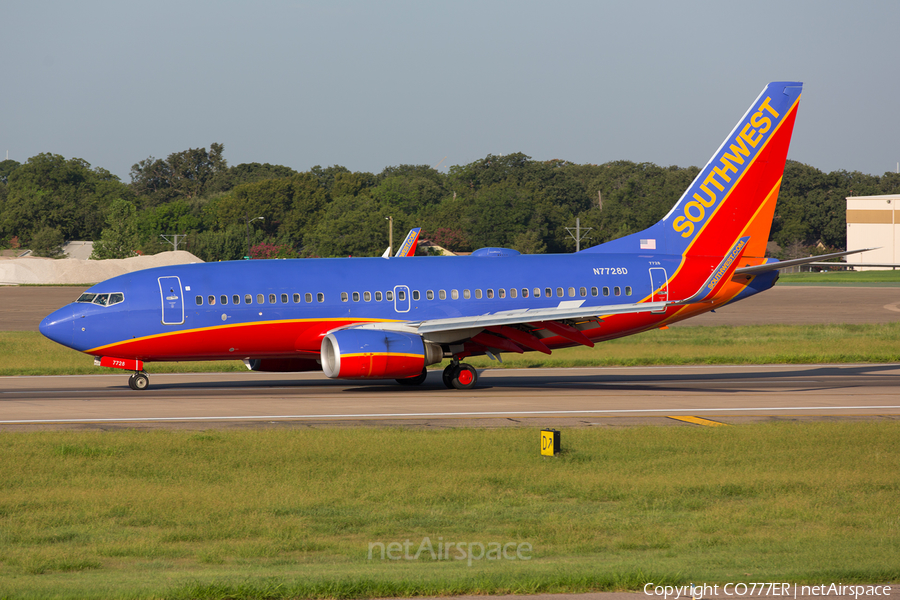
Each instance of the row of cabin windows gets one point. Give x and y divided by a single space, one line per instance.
401 295
260 298
488 293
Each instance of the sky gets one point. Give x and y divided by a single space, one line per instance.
368 85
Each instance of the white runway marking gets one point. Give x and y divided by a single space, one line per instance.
666 411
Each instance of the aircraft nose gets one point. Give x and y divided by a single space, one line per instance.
59 326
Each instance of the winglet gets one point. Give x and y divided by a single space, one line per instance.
720 275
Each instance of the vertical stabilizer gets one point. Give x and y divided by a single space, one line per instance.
735 193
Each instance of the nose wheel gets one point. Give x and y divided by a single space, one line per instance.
139 381
460 376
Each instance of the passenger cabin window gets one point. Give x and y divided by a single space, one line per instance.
429 294
344 297
627 290
559 292
297 298
235 299
478 294
308 297
199 300
571 292
593 291
284 298
320 297
467 294
548 292
501 293
454 294
367 296
260 299
356 296
401 295
272 299
248 299
415 295
211 300
389 296
537 292
524 292
512 292
617 291
223 299
442 294
489 293
605 291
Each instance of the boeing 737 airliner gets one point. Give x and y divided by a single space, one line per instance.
391 317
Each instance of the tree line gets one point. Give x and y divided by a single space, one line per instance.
509 201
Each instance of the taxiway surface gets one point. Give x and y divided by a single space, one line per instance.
547 397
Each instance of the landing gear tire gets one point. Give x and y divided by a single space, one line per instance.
139 381
417 380
447 375
466 377
460 377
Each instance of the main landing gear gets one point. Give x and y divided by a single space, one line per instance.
460 376
139 381
456 376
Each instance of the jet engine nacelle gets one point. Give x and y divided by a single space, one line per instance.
376 354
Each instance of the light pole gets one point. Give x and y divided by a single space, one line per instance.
248 232
390 235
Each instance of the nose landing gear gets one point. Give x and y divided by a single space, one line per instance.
460 376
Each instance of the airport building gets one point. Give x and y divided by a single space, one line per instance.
874 222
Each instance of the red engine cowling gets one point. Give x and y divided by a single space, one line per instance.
376 354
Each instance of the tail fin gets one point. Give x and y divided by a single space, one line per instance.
734 195
408 247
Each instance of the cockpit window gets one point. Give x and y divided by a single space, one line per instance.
102 299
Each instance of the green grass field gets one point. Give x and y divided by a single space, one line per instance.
293 513
842 277
29 353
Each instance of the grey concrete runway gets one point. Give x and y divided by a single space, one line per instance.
564 397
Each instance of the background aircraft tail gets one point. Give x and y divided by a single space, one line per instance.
735 193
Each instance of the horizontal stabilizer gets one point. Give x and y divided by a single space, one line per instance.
782 264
